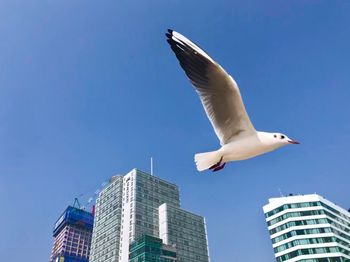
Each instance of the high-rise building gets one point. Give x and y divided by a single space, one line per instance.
107 224
72 233
308 228
185 230
132 203
148 248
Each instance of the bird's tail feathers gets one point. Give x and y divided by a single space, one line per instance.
206 160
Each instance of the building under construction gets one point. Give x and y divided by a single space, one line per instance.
72 233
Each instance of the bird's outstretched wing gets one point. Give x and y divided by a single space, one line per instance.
217 90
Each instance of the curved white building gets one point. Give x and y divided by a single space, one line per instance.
308 228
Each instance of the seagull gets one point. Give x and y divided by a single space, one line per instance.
223 104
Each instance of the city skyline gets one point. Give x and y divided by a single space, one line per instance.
90 90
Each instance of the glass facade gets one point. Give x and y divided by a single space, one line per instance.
308 228
186 231
106 232
151 249
149 193
329 259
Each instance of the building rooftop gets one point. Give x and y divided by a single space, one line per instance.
291 198
74 216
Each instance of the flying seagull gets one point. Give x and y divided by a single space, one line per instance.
223 104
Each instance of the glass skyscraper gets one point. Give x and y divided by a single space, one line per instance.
134 212
107 226
185 230
308 228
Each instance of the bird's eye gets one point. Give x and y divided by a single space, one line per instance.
282 136
275 136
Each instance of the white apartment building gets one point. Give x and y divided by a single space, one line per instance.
308 228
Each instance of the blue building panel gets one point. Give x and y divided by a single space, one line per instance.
74 216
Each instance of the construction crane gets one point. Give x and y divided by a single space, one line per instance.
77 204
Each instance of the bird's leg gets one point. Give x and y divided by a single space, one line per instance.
219 167
216 165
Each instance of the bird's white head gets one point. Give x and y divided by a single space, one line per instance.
282 139
276 140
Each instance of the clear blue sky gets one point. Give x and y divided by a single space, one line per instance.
89 89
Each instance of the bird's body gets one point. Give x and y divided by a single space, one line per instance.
224 106
242 148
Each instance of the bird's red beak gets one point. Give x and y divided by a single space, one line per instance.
293 142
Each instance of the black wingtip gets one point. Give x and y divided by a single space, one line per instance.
168 35
170 31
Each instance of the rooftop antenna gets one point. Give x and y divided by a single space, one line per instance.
151 166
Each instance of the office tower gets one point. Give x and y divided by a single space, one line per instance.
72 233
106 232
308 228
148 248
141 197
